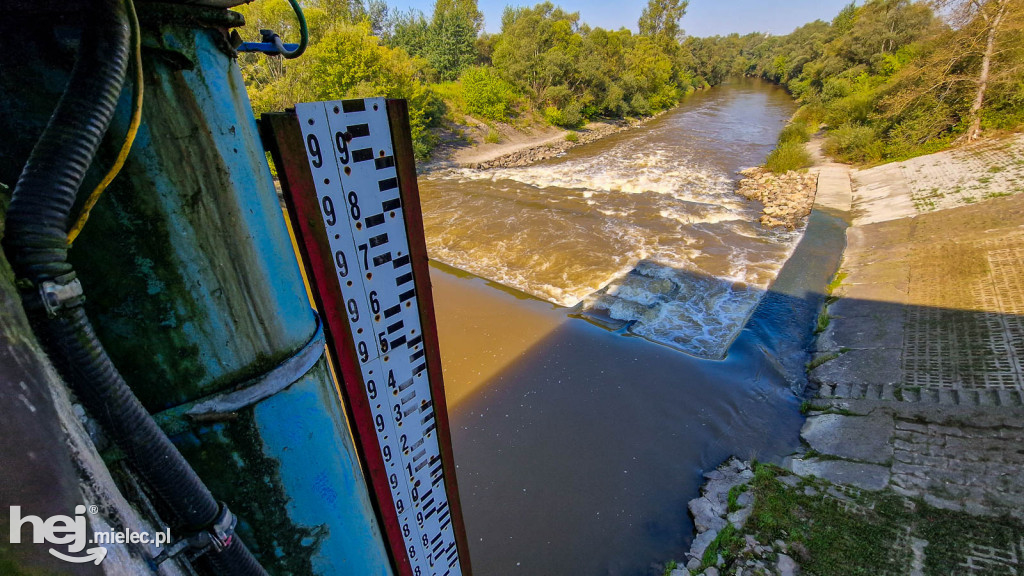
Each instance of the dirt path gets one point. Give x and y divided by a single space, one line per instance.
519 147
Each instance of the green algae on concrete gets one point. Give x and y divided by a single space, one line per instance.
835 530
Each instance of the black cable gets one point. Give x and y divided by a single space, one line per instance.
36 244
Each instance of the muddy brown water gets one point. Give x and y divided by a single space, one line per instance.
659 199
577 447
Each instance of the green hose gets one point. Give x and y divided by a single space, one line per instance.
303 32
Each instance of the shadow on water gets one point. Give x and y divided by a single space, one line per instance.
579 457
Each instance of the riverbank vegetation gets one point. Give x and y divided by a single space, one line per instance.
890 79
544 66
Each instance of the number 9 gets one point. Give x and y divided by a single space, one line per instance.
314 151
328 206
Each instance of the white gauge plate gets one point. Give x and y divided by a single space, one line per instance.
351 157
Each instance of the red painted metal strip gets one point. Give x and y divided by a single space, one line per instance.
283 138
405 164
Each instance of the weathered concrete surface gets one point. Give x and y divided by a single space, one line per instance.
882 194
48 462
950 179
921 361
37 472
852 437
835 192
859 474
834 189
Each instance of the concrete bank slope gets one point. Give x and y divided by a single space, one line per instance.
914 442
918 371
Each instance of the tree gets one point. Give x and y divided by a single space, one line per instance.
408 31
991 14
661 18
467 8
451 37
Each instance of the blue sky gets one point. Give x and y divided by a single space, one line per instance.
704 17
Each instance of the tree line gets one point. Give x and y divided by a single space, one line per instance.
544 65
889 78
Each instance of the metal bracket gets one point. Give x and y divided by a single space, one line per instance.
217 537
60 293
270 44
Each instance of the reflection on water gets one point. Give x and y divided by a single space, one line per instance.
662 195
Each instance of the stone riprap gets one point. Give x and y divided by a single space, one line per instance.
787 198
713 513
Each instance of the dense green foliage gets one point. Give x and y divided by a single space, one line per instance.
487 95
344 60
545 63
889 78
573 72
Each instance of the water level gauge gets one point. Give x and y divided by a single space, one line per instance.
348 174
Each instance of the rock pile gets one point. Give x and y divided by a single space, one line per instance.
725 502
787 198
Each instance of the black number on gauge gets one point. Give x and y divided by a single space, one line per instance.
314 151
342 262
366 255
343 155
328 206
353 205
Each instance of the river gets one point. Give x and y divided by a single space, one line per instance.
642 229
578 446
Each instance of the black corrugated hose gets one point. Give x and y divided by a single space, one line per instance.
36 244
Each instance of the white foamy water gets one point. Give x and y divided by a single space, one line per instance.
642 230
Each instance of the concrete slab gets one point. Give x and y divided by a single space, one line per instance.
835 192
882 329
861 367
864 476
881 194
882 293
862 438
858 308
884 237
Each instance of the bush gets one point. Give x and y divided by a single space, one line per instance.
569 117
812 113
854 143
795 131
788 156
492 137
856 108
640 105
572 137
487 95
